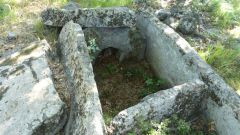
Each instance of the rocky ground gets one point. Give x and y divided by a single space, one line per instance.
22 27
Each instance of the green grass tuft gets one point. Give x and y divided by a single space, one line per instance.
226 61
39 29
4 10
45 32
108 116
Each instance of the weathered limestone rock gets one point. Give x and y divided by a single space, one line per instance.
91 17
57 17
29 103
11 36
187 24
173 58
172 22
162 14
223 107
86 113
183 100
164 51
128 41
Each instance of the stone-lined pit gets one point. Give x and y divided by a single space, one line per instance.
196 88
35 107
123 84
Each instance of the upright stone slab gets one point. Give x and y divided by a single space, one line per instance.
164 51
90 17
86 113
29 103
183 100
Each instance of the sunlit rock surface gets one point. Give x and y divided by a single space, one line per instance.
29 103
86 113
91 17
183 100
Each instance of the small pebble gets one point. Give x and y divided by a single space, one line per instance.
12 36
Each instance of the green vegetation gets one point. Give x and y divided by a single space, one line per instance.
224 13
39 29
7 12
44 32
151 83
108 116
4 10
122 84
111 69
226 61
170 126
223 54
104 3
51 34
92 48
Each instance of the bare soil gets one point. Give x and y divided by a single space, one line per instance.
121 85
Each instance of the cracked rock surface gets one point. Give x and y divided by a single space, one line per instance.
29 103
183 100
86 113
90 17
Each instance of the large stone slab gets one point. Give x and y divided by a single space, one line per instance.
128 41
183 100
86 113
164 51
90 17
29 103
